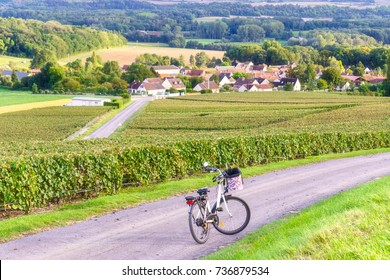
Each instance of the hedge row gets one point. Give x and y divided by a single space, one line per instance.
39 181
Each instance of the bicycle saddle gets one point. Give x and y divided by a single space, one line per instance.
203 191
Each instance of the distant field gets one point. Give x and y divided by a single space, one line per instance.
16 62
203 41
356 4
46 124
128 54
244 114
11 97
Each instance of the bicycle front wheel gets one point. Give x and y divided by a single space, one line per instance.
233 216
199 229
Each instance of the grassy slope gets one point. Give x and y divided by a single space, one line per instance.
17 62
66 214
349 226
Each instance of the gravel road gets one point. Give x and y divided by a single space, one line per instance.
109 127
159 230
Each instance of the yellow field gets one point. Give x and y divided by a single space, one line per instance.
15 62
23 107
128 54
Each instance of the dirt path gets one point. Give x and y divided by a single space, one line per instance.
159 230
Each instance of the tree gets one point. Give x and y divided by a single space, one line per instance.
239 75
138 72
71 84
51 74
178 42
359 69
364 89
95 60
41 57
201 59
75 66
311 77
322 84
332 76
250 33
289 87
14 77
254 53
34 89
112 68
386 84
192 60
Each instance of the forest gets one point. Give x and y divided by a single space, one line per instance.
237 21
45 41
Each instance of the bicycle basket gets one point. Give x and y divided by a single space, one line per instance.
234 179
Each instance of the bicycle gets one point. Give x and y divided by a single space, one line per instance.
229 214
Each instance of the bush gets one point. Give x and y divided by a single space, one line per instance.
118 103
40 180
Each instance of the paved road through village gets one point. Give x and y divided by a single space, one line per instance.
159 230
109 127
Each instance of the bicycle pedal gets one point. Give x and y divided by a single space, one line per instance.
211 217
219 209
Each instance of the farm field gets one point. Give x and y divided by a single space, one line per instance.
229 115
356 4
245 114
16 62
46 124
11 97
128 54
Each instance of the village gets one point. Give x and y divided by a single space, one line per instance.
243 77
251 78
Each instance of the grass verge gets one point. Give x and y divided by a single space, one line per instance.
70 213
102 120
348 226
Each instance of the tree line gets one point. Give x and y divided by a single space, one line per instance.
46 41
177 21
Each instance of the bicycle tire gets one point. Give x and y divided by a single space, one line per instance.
237 221
200 230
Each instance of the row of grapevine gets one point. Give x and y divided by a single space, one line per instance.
40 180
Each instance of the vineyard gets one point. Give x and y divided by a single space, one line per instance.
228 115
172 138
46 124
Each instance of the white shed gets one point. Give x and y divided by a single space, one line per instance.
88 101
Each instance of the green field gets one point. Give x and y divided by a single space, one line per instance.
46 124
15 62
12 97
218 116
243 114
352 225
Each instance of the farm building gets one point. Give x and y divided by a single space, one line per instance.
87 101
167 70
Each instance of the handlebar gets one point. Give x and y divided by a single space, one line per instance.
218 177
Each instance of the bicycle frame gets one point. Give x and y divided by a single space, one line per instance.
220 197
202 213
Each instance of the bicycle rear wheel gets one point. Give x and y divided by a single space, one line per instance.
199 229
233 216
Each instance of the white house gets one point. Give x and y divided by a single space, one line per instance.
254 87
167 70
207 85
175 83
280 84
151 89
226 79
87 101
